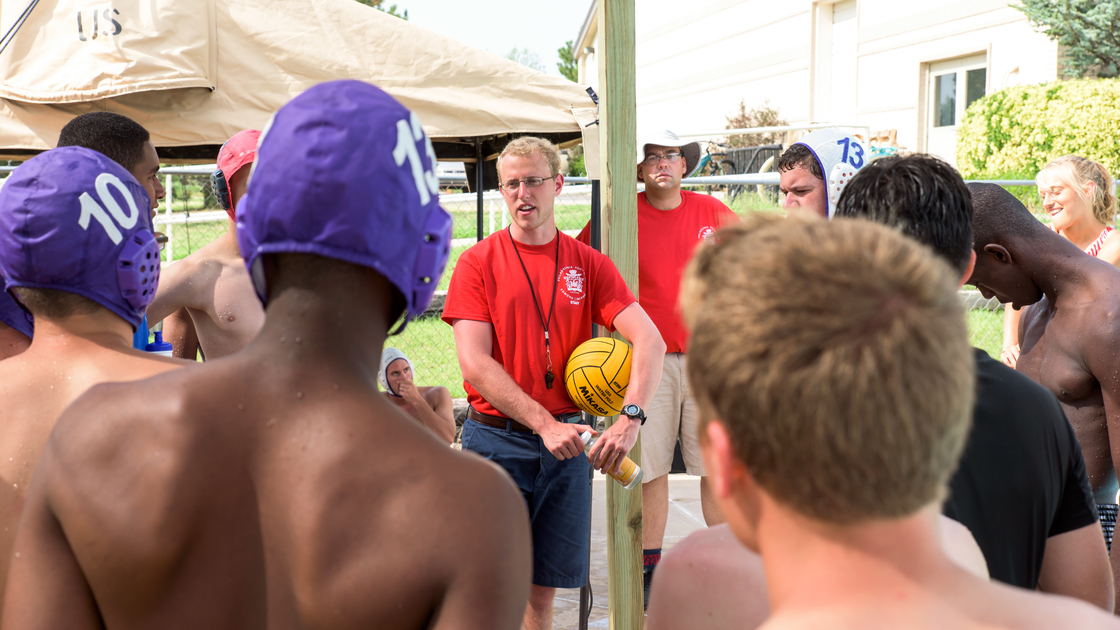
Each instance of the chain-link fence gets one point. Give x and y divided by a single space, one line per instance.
192 218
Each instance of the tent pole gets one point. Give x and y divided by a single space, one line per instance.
478 182
586 597
596 218
617 135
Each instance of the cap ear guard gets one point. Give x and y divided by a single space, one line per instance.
221 189
138 269
431 260
841 174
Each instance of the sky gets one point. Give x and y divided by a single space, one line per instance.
502 25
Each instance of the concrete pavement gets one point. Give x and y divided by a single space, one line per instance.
685 517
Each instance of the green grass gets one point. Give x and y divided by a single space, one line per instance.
985 331
751 201
430 344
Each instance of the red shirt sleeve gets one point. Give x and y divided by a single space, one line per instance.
585 235
466 294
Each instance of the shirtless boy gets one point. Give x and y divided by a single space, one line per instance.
129 144
430 406
276 488
16 327
1068 337
839 489
221 313
87 287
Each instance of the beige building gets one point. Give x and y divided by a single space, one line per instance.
901 65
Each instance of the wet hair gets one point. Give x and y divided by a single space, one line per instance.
527 146
836 355
1075 172
55 304
800 156
918 195
117 137
997 214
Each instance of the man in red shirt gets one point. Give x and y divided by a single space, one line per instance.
520 302
671 223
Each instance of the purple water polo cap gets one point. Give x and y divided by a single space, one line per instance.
73 220
346 172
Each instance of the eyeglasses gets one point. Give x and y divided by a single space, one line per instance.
654 160
530 182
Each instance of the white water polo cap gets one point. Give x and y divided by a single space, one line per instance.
840 156
387 357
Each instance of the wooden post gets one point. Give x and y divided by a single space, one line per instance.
619 198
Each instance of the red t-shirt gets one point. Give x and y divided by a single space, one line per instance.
666 239
488 285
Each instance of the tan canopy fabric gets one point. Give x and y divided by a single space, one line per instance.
194 72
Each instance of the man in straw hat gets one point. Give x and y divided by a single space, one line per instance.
671 223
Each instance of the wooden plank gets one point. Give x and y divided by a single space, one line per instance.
617 139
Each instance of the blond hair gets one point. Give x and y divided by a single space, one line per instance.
526 147
836 354
1075 172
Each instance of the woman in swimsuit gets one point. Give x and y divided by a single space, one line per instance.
1078 195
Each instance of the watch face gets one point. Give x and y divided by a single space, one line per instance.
631 410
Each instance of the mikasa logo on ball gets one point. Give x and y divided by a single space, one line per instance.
573 283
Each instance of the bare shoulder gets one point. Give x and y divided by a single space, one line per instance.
1110 250
474 489
1096 323
709 545
1010 607
434 393
709 575
107 419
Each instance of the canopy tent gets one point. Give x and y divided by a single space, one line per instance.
194 72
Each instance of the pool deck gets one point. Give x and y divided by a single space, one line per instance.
685 517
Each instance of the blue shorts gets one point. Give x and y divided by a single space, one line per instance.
557 493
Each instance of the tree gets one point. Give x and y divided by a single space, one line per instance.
1089 30
526 57
762 116
392 10
567 64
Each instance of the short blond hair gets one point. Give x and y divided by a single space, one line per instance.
526 147
1075 171
836 354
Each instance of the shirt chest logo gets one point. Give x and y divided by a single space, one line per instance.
573 284
706 234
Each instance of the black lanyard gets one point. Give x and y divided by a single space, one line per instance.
545 323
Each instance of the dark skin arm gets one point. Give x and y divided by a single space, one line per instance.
178 330
433 409
1101 363
492 586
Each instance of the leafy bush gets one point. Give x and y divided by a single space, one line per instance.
1017 130
761 116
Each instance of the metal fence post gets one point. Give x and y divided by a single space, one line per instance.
478 182
167 199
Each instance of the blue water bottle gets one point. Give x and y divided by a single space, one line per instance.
159 346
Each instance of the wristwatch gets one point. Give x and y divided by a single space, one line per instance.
634 411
